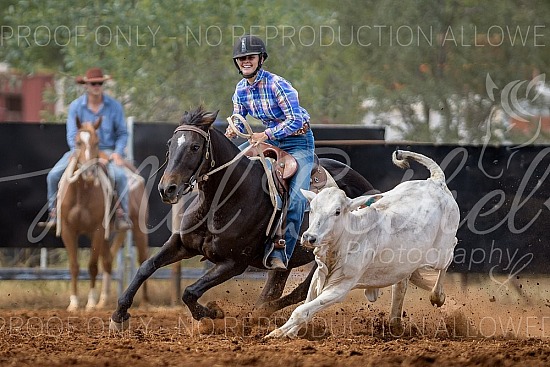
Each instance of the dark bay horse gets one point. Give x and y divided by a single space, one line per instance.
226 222
85 208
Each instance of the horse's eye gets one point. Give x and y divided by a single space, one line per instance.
195 148
337 213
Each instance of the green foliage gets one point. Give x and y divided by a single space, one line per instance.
428 56
409 59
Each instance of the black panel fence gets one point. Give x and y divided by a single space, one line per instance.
503 191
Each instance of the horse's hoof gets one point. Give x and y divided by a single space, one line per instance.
73 304
206 326
119 326
91 306
102 303
218 313
396 328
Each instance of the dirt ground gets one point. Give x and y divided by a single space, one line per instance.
487 323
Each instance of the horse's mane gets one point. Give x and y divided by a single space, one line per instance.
200 117
195 117
87 126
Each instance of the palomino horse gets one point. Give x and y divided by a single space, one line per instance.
227 221
84 208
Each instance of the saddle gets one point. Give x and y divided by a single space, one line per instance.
132 175
107 183
283 168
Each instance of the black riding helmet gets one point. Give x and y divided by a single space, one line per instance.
249 45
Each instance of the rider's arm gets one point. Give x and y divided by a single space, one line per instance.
121 130
287 99
71 125
240 109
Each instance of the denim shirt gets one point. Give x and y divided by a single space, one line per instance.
113 133
272 100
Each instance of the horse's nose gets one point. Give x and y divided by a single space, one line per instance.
167 192
308 238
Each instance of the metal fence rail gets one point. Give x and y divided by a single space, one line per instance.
22 273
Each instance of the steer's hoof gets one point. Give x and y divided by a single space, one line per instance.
437 300
119 326
275 334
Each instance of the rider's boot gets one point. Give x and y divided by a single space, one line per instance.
122 222
51 223
277 264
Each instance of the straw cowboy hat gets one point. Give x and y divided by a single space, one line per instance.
93 75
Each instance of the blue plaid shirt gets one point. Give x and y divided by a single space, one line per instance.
272 100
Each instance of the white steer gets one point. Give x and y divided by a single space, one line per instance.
405 230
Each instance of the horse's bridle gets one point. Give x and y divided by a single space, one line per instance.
81 167
188 186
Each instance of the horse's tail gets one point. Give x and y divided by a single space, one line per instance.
400 158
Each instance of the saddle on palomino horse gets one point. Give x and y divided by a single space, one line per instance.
113 211
283 168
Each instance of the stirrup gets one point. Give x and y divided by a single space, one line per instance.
122 222
51 222
280 245
277 264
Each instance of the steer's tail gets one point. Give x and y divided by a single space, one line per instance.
400 158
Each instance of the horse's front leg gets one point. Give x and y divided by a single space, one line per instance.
141 243
97 250
70 240
169 253
220 273
274 286
297 295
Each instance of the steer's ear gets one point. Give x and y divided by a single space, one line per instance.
309 195
362 201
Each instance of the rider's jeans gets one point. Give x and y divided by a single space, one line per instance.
302 148
116 172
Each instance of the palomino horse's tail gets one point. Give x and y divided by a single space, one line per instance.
400 158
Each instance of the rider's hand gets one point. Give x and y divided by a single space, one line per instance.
117 159
258 138
230 133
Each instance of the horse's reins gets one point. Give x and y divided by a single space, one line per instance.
188 186
247 136
76 174
209 153
71 175
271 183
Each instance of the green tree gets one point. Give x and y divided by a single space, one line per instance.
414 59
434 56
